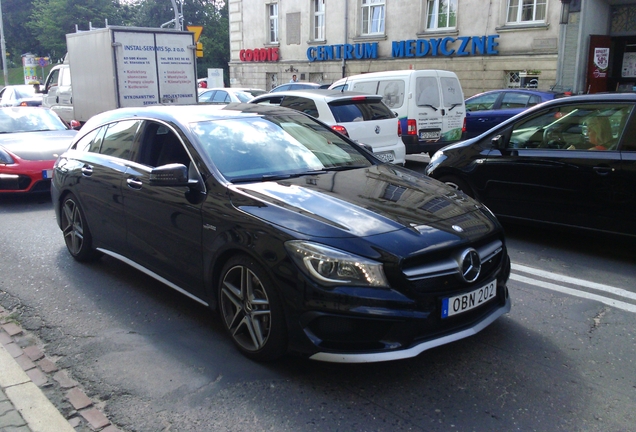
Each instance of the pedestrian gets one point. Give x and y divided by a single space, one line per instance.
294 79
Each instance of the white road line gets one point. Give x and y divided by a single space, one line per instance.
611 302
575 281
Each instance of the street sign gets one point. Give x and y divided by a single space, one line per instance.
197 30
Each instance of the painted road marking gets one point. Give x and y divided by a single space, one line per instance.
574 292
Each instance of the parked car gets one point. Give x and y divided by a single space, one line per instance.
488 109
31 139
252 91
20 95
223 96
302 240
363 118
296 86
568 162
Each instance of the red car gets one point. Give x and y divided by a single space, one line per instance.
30 141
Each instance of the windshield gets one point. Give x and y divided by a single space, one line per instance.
255 148
29 120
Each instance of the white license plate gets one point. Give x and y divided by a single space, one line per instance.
386 157
429 135
465 302
47 174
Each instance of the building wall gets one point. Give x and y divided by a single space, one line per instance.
520 48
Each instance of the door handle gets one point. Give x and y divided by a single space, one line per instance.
87 170
57 99
603 170
134 183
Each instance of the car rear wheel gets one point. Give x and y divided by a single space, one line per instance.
77 236
459 184
251 310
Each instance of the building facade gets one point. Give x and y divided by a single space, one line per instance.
489 44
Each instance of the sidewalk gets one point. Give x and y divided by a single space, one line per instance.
24 371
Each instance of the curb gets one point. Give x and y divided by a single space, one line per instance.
24 371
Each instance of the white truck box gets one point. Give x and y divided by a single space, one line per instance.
117 67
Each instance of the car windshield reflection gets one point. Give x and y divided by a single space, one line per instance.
268 148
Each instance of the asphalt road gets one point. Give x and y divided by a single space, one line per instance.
562 360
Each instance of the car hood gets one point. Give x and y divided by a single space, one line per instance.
362 202
46 145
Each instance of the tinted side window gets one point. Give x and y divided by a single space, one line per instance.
301 104
363 110
274 100
221 97
119 138
427 91
89 142
206 96
514 100
482 103
573 127
161 146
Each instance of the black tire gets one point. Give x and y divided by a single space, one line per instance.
77 236
251 310
459 184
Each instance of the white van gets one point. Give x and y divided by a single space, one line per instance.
58 93
429 104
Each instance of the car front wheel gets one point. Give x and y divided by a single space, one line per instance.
77 236
251 310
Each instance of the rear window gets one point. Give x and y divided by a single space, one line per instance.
359 110
427 92
451 91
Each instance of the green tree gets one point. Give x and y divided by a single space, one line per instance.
51 20
18 39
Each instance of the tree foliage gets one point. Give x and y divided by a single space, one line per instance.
40 26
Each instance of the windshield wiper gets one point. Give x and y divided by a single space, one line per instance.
453 106
345 167
429 105
274 177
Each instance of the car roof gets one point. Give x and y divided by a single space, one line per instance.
326 94
519 90
184 114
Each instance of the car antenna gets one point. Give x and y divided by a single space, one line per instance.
344 85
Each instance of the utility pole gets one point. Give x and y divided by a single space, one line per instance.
4 49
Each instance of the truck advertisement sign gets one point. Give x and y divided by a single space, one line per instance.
154 68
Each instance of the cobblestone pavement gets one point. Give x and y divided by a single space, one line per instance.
28 382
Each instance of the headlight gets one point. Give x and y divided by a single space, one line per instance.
5 157
330 267
437 158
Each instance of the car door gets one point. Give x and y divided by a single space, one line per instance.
100 164
544 168
481 113
163 222
6 96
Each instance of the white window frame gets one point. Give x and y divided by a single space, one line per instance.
432 24
373 11
318 23
272 28
516 8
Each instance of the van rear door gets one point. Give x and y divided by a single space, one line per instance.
454 108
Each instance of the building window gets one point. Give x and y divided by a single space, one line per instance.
373 14
441 14
318 9
512 79
526 11
273 22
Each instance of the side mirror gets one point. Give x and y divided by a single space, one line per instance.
497 141
75 125
169 175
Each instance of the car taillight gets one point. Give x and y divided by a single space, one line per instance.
24 104
464 126
399 128
411 127
340 129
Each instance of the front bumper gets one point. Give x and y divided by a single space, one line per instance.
418 347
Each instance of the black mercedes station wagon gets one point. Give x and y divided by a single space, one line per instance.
301 239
